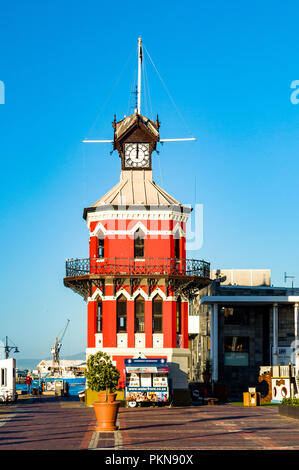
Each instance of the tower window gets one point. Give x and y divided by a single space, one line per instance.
139 244
100 316
157 305
139 314
101 247
177 248
179 316
121 314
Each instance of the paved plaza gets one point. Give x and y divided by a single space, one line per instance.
50 423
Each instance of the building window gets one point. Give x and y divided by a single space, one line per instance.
139 244
3 377
235 315
101 247
157 305
100 317
178 316
139 314
177 248
121 314
236 350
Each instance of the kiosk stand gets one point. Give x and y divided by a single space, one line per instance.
146 381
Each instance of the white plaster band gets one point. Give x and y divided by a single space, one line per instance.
101 229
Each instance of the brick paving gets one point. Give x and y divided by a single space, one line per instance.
46 423
220 427
49 423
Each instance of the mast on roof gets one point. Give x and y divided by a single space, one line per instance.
138 110
139 75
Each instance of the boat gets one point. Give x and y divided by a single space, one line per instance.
69 372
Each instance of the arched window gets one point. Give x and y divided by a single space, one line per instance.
139 314
100 316
101 245
139 244
157 314
121 306
179 316
177 253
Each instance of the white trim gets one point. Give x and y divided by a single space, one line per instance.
178 228
100 228
215 341
135 214
141 292
97 293
122 340
111 297
124 292
275 334
262 299
169 352
158 291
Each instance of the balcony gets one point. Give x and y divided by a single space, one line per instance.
135 266
185 276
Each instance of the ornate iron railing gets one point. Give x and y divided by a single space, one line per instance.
130 266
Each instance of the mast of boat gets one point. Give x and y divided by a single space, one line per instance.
138 92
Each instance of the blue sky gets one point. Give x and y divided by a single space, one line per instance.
68 68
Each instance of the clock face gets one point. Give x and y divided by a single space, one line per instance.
137 155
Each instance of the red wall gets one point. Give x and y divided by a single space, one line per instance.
109 324
92 309
122 246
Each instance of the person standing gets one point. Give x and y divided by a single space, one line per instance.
29 383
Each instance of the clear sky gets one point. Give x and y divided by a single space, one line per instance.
68 67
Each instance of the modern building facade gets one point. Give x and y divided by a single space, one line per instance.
243 328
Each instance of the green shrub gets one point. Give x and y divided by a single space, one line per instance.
290 401
101 374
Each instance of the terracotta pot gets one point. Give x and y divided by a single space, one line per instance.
106 414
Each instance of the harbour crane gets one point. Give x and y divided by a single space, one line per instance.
57 345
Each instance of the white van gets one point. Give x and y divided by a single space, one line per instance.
8 381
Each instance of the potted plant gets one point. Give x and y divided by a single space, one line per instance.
207 371
102 376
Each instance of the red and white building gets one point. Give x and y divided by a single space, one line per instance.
137 280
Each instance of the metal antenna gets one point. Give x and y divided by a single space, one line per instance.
289 277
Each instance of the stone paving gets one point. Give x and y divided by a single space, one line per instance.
46 423
50 423
229 427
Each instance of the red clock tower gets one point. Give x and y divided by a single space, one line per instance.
137 280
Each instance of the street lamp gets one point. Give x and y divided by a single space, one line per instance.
8 348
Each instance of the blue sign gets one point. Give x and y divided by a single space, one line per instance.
146 389
145 362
